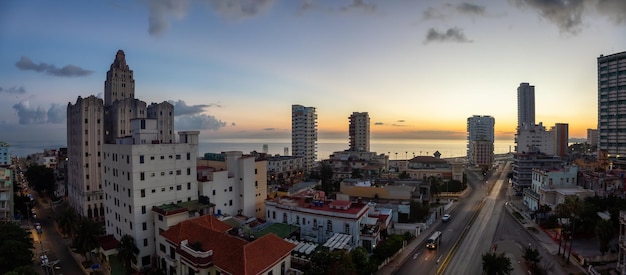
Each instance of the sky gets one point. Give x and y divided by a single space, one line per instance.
233 69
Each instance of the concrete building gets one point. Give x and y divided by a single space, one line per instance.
525 105
376 190
560 131
234 182
592 137
480 139
85 137
611 82
534 138
5 154
164 114
524 163
319 219
552 186
6 194
421 167
92 122
368 164
359 131
287 170
205 246
139 173
304 134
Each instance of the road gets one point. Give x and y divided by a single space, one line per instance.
427 261
51 243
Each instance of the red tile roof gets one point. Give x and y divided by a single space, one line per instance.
108 242
230 253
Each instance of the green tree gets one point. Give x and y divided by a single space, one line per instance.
496 264
87 237
15 247
338 262
604 232
127 250
41 179
360 258
531 255
403 175
68 221
418 211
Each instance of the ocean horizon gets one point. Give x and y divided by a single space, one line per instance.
396 148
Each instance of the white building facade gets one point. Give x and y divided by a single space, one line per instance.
234 182
534 138
480 139
304 134
139 173
5 154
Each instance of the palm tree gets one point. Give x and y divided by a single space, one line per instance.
87 237
495 264
127 251
68 221
604 233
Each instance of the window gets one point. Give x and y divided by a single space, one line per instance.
129 192
160 217
255 171
284 217
142 176
144 226
188 171
162 247
143 209
273 214
178 172
177 156
213 192
188 156
145 242
189 186
140 159
329 226
230 189
178 187
143 193
230 202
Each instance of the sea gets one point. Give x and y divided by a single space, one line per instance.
395 148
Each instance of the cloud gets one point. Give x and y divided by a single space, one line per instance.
614 9
566 14
29 115
400 120
360 5
451 35
13 90
160 11
432 13
270 129
198 122
26 64
378 123
470 9
181 108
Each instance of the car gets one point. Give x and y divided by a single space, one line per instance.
38 228
445 217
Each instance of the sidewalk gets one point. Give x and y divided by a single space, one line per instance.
551 246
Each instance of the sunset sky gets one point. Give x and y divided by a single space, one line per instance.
234 68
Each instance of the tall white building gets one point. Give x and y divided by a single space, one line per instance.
534 139
304 134
525 105
561 139
611 109
92 122
139 173
85 137
234 182
592 137
480 139
359 131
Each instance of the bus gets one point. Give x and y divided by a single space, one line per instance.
434 240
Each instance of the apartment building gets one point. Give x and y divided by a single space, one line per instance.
234 182
480 139
304 134
139 172
5 154
359 131
611 83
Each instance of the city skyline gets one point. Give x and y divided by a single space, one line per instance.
233 69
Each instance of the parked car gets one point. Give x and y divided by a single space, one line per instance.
445 217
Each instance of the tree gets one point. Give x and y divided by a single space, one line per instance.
127 250
604 233
496 264
361 261
41 179
15 248
87 237
418 211
531 255
68 221
403 175
338 262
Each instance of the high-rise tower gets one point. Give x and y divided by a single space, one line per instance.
611 109
304 134
480 139
359 132
525 105
120 83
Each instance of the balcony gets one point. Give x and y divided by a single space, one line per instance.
195 256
